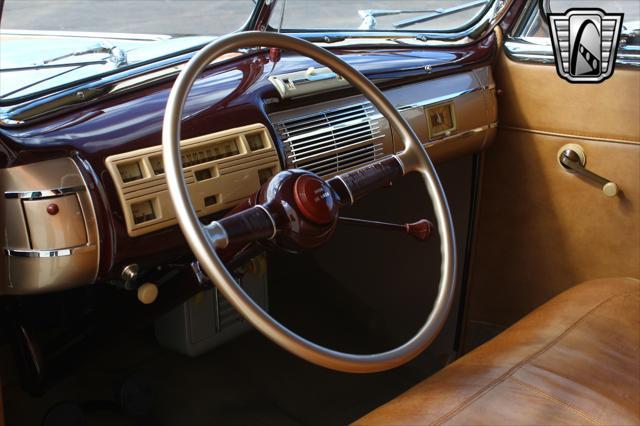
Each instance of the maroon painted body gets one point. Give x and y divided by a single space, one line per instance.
227 95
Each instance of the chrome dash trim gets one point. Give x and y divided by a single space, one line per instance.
38 253
44 193
445 98
444 137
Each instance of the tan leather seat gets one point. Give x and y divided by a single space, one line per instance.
574 360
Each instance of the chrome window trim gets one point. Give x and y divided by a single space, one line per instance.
539 50
526 49
43 193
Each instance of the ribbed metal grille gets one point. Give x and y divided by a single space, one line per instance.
332 141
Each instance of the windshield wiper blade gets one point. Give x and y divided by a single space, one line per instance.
369 16
388 12
439 13
117 56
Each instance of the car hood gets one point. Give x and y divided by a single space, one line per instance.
26 68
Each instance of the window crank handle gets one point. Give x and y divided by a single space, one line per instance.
571 160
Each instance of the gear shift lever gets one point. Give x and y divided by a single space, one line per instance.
420 230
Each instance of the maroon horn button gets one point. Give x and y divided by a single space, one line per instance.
314 200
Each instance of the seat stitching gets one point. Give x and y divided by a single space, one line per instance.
512 370
557 400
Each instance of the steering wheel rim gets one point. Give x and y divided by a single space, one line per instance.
203 240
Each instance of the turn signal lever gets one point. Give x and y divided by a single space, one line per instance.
420 230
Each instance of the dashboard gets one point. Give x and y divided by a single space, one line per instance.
84 194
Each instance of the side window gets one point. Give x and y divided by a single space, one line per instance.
531 40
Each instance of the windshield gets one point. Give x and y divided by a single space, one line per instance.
50 45
175 17
381 15
46 45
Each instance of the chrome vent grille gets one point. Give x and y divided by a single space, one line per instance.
332 141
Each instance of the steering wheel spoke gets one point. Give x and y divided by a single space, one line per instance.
355 184
253 224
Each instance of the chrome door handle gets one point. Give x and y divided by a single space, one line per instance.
572 158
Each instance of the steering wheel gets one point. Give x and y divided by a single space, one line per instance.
297 209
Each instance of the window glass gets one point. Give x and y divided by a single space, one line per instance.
173 17
376 15
630 8
50 44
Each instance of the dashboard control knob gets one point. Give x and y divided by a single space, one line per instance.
147 293
130 272
53 209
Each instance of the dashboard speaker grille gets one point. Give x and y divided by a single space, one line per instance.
332 141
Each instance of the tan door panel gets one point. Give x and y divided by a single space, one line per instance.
540 229
533 96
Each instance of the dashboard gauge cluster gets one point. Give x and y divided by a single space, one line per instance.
130 171
221 169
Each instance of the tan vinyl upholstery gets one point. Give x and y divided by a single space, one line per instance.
574 360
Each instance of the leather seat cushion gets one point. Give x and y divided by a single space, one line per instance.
574 360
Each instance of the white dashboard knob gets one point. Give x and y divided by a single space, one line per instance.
147 293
